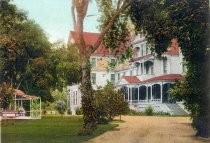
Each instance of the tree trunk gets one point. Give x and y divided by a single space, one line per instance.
89 111
203 121
88 107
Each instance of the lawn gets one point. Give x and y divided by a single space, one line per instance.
50 129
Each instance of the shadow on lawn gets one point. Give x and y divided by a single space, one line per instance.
49 129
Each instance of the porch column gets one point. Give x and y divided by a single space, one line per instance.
131 95
138 94
147 94
151 92
128 94
161 92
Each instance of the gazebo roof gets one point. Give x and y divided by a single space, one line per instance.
21 94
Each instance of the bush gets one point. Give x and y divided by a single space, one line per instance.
109 103
149 110
85 132
60 107
135 113
162 113
79 111
69 112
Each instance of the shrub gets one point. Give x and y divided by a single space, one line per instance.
79 111
149 111
6 95
60 107
135 113
69 112
109 102
85 132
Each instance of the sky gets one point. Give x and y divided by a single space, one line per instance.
54 16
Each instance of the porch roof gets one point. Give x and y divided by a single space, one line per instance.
21 94
132 79
168 77
135 80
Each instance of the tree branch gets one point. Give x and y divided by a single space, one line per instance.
73 13
81 7
109 25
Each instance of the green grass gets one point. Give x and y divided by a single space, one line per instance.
49 129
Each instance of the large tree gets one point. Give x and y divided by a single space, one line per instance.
187 21
24 50
80 8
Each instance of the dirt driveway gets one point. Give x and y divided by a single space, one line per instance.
145 129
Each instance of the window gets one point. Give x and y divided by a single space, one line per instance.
142 50
152 69
142 68
165 66
118 76
146 50
93 62
131 73
93 78
112 61
113 78
147 68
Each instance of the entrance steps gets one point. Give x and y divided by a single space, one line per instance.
171 108
176 109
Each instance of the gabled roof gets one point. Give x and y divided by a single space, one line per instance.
90 39
169 77
21 94
131 79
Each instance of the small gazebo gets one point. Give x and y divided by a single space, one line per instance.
28 105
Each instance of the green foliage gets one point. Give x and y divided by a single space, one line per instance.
28 60
118 36
49 129
149 111
85 132
109 102
24 51
187 21
60 107
6 95
88 106
79 111
69 112
67 65
35 108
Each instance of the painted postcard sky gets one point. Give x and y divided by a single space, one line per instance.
54 16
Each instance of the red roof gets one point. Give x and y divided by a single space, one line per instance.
170 77
131 79
23 95
91 38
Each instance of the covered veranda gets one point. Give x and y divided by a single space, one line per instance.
24 107
148 92
151 90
